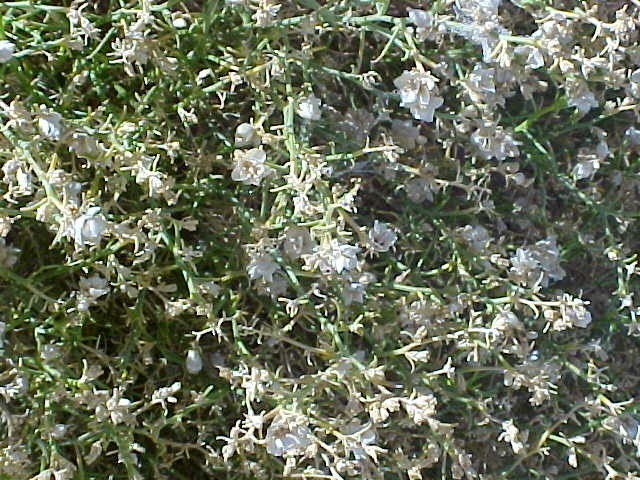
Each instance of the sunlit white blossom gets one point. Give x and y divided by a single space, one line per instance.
49 123
89 227
575 313
418 93
512 435
539 264
247 136
332 256
249 167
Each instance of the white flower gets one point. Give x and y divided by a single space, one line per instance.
266 13
418 94
574 312
158 183
512 434
332 256
633 135
585 169
179 20
359 439
177 307
479 9
478 22
421 408
493 141
89 227
249 167
19 117
288 435
353 291
420 18
580 96
624 425
91 289
164 395
262 267
537 265
482 80
309 107
381 237
534 56
424 22
357 124
505 322
71 192
481 86
419 189
209 288
7 49
194 361
50 352
117 409
246 136
49 123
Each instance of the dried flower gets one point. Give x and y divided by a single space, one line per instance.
91 289
381 237
421 408
49 123
493 141
512 435
288 435
418 93
574 312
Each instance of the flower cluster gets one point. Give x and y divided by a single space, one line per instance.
320 240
